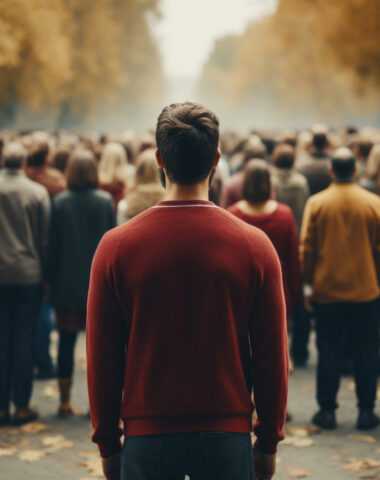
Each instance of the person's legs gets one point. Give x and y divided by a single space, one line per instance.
44 362
200 455
26 309
330 325
300 335
6 323
66 347
364 324
220 456
154 457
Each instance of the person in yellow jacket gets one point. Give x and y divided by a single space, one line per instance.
340 255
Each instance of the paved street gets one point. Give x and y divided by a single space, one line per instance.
58 449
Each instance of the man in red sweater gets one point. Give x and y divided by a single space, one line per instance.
186 319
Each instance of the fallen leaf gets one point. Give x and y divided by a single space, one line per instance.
34 428
55 443
51 391
7 452
351 385
299 442
362 438
360 464
336 457
302 431
31 455
296 472
89 453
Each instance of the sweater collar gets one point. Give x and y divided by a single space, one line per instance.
185 203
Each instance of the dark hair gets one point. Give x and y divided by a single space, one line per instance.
61 159
343 164
187 135
364 147
256 182
283 156
254 150
319 141
38 155
82 171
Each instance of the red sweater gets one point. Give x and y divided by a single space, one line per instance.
179 297
280 226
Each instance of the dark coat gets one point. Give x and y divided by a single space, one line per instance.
79 220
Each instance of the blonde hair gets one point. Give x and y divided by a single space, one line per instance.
112 164
146 168
373 165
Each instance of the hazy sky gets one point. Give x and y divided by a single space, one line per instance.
188 29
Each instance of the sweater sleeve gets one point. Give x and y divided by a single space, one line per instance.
106 346
308 244
270 370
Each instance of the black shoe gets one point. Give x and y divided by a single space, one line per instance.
367 420
325 419
299 362
27 415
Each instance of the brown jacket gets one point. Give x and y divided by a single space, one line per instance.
340 244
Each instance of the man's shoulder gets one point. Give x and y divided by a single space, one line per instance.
32 187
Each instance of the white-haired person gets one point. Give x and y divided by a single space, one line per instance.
112 171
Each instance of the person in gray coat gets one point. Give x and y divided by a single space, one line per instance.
24 226
290 187
80 217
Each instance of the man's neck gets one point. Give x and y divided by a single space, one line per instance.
175 192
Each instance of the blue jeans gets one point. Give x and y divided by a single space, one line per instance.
44 362
200 455
19 309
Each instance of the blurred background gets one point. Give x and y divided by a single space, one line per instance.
111 64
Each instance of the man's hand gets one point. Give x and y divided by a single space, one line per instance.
307 294
265 465
111 467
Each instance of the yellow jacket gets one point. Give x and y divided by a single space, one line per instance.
340 244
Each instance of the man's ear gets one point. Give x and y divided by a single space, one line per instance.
159 159
216 159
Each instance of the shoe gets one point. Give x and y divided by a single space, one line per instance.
325 419
24 415
65 409
5 419
299 362
367 420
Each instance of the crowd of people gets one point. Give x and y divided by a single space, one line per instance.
314 193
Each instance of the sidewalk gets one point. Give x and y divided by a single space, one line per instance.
58 449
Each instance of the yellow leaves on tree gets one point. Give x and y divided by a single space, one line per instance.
71 52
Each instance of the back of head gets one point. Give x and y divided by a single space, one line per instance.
363 147
82 170
256 183
61 159
146 168
343 164
283 156
14 155
38 154
112 163
319 132
254 148
187 136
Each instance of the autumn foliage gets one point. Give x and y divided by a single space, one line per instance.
73 55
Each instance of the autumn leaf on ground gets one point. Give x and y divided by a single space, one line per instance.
362 438
358 464
296 472
51 391
302 431
7 452
34 427
31 455
299 442
336 458
55 443
89 453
